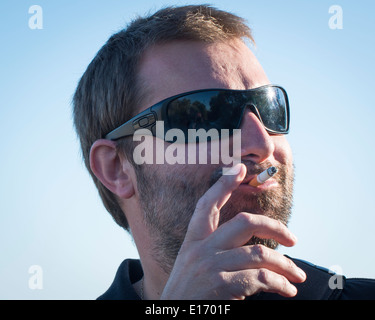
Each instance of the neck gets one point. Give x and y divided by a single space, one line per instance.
154 278
151 286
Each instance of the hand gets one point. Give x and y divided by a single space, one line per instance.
214 263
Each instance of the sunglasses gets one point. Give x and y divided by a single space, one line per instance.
213 109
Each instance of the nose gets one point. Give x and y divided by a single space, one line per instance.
256 143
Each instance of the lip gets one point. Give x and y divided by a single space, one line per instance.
270 183
248 178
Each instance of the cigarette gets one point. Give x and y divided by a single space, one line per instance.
263 177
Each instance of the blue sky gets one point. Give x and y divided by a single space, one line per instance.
50 213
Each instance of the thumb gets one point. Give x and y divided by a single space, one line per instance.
206 216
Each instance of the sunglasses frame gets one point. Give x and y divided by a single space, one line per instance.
158 112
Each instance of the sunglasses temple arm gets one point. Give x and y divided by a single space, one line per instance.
143 120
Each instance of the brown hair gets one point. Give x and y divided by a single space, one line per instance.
108 92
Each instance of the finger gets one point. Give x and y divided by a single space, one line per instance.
206 215
238 231
248 282
256 257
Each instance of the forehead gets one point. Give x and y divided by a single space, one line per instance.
169 69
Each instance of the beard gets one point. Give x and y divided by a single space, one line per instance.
168 199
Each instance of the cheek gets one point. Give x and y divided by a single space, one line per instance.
283 151
203 153
223 152
196 178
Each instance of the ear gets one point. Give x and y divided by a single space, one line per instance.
112 171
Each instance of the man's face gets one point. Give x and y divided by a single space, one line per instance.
169 193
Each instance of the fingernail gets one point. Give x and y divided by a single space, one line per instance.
293 289
293 237
232 170
302 274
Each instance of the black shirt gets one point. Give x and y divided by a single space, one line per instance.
319 285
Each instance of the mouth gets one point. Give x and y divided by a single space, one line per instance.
270 183
250 175
248 178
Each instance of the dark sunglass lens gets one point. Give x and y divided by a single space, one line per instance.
271 103
204 110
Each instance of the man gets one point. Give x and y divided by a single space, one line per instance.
200 234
